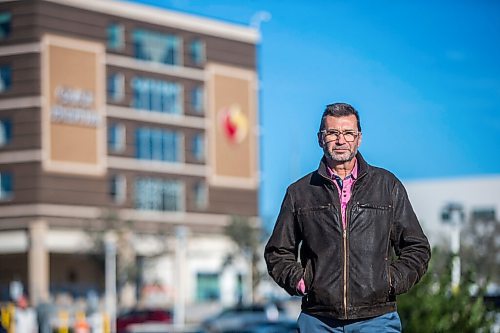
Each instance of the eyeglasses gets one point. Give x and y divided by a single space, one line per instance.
333 135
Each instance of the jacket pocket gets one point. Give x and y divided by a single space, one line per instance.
312 209
377 206
308 276
390 286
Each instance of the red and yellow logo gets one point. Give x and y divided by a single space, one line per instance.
233 123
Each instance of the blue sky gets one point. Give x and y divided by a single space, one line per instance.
425 77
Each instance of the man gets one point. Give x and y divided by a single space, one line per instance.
355 232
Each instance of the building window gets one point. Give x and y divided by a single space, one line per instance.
118 188
197 99
116 37
5 21
116 87
157 144
197 52
198 147
156 95
200 193
117 138
5 132
158 194
157 47
484 214
5 78
207 287
6 189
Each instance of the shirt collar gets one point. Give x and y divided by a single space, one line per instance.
354 172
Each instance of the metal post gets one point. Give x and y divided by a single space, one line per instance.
455 248
453 214
250 278
180 278
110 279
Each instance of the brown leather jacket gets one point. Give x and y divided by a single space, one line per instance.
356 272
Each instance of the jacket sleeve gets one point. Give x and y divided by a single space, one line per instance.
410 244
281 250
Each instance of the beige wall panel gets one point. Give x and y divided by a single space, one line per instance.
233 155
65 139
75 68
232 95
73 137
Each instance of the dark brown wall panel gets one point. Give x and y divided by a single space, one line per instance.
25 75
23 26
233 201
73 190
189 110
189 135
231 52
26 129
24 182
74 22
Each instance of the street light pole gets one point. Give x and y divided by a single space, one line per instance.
258 18
110 278
180 276
453 214
256 21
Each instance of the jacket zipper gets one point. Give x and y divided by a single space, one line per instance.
344 236
345 270
348 213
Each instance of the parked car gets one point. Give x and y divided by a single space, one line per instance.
239 318
140 316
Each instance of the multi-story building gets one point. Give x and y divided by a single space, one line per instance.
122 118
468 198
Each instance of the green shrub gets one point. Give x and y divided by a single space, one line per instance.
432 306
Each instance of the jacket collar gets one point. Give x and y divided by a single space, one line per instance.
363 166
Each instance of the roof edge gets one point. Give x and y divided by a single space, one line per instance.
167 18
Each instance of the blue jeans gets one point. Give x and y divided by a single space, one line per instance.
386 323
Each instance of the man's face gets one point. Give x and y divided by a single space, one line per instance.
336 147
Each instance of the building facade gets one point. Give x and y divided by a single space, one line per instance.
123 119
473 198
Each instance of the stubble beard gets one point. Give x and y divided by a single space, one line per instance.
340 158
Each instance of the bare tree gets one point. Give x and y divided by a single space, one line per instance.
129 263
248 239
